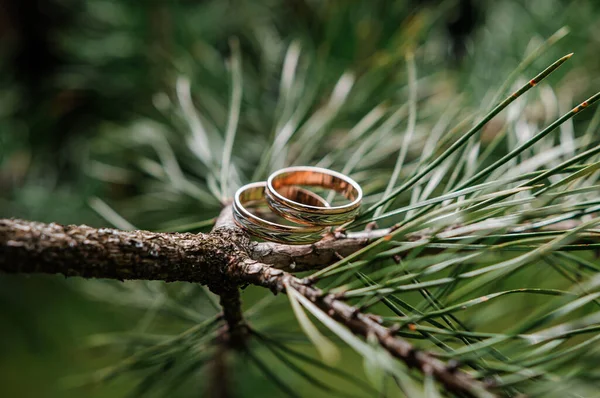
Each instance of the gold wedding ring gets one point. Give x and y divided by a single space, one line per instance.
281 201
254 193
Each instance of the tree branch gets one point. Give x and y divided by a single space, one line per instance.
28 247
33 247
364 325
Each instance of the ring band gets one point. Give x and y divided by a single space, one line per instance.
280 202
268 230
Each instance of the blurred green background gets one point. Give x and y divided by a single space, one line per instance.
87 93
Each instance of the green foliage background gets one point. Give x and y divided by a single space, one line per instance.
110 139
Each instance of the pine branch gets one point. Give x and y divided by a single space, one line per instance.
364 325
220 260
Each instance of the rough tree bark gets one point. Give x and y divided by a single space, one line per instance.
222 260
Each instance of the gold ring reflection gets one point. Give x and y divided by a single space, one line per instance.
279 200
252 194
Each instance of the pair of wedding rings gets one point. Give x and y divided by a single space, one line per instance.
284 195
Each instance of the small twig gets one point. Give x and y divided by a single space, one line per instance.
298 258
225 219
317 255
